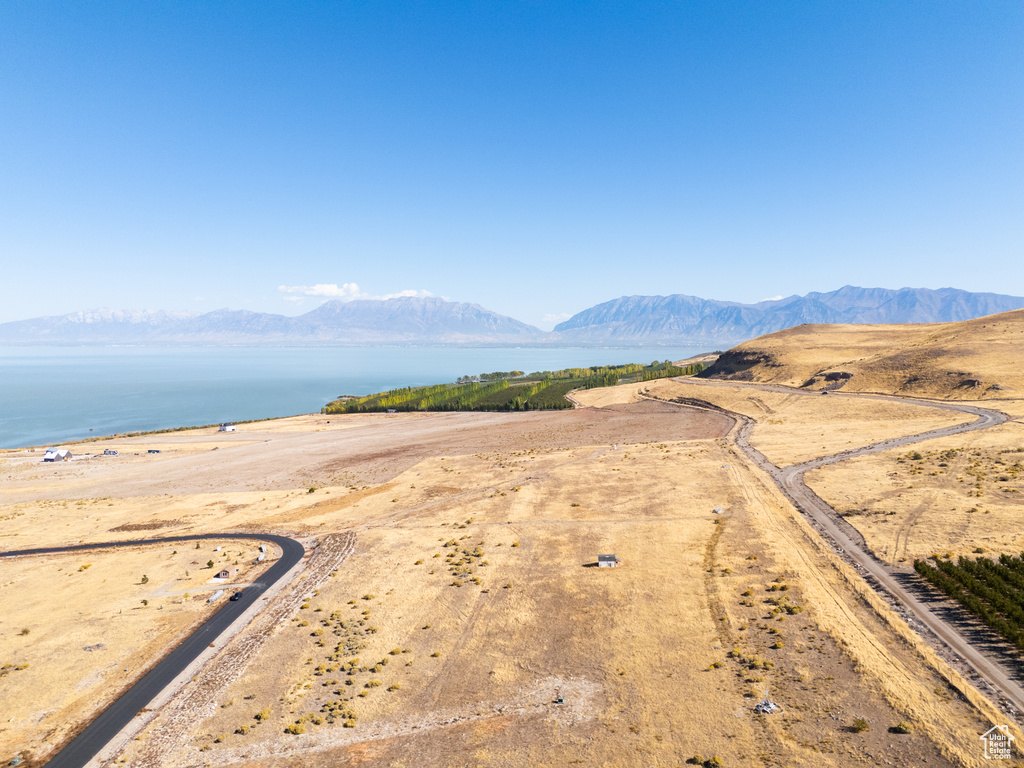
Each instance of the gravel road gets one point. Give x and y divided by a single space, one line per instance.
791 481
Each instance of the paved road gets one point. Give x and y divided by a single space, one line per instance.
791 481
110 721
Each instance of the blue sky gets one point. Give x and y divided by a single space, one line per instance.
535 158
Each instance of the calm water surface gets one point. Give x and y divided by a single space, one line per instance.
54 394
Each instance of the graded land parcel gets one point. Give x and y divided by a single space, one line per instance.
452 596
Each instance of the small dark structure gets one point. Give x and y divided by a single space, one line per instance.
109 452
607 561
152 450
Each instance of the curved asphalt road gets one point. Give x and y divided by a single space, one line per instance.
110 721
791 481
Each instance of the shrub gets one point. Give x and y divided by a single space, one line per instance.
394 687
435 655
242 730
145 579
902 727
24 631
860 725
263 714
697 759
373 683
296 729
209 563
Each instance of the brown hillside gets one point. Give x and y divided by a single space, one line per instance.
969 360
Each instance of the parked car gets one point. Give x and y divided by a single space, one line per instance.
237 596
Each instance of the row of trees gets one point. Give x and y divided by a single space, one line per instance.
991 590
539 391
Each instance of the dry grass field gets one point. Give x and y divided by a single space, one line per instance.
471 600
953 496
970 360
792 427
76 628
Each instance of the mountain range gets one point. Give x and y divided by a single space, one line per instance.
677 320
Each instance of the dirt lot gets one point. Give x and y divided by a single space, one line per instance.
471 596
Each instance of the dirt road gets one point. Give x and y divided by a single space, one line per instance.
791 481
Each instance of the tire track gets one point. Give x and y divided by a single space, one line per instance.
847 541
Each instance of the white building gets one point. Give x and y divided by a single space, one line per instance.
227 427
57 454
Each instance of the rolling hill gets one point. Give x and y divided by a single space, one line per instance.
969 360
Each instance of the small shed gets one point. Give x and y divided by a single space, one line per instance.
227 427
607 561
57 454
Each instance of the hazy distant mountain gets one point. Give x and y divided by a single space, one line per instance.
676 320
691 321
407 320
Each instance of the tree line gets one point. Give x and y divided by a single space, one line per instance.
508 390
993 590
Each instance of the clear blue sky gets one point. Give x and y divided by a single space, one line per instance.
536 158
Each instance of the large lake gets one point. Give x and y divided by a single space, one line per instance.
54 394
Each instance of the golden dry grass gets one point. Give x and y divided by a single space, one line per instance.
633 649
793 427
643 654
88 631
963 494
974 359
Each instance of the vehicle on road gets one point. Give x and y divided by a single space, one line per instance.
236 596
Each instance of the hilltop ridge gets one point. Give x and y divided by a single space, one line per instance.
968 360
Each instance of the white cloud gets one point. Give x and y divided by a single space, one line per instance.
330 290
345 292
772 298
